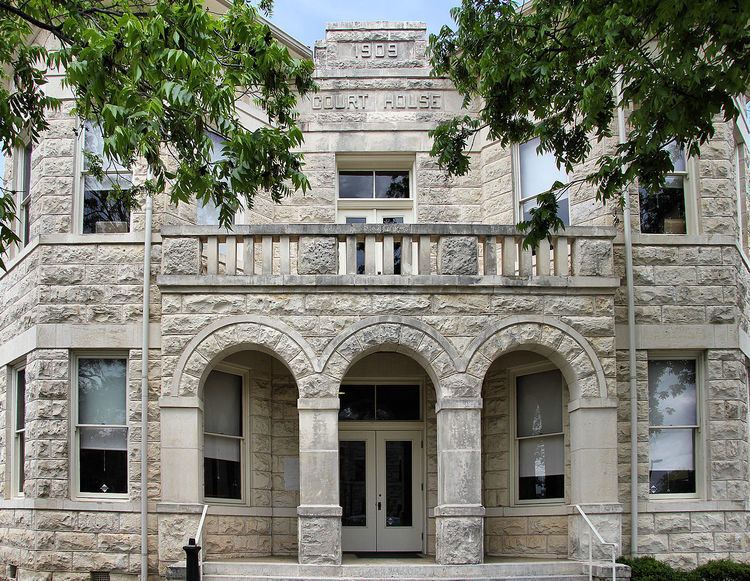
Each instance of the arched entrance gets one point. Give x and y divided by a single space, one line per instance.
386 405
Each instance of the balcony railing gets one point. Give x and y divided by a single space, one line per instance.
386 254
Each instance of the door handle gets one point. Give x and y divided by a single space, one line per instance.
380 505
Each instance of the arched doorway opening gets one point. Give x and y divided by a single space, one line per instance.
387 456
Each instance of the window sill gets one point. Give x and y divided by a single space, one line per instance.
688 504
528 510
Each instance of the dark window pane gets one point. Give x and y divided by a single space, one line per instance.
222 478
398 402
222 467
397 258
20 399
357 402
356 220
398 490
21 461
393 220
353 483
355 184
541 487
103 460
100 214
663 212
391 184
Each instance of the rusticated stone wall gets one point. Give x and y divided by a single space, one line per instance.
714 525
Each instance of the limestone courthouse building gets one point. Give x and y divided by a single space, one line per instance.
374 379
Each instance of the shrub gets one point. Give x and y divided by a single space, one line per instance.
722 570
649 569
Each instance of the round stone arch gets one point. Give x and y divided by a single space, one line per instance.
409 336
232 334
558 342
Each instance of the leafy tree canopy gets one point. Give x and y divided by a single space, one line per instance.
551 70
156 75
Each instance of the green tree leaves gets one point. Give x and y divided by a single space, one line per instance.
550 71
157 75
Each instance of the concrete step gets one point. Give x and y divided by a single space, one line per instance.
408 570
400 578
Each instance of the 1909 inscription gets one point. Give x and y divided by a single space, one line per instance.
377 50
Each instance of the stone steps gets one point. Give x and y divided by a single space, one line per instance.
410 571
400 578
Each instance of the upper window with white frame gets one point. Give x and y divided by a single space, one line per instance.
539 437
374 184
224 429
666 211
100 213
537 173
207 214
19 430
673 425
101 425
23 187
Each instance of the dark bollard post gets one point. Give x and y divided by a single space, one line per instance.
192 563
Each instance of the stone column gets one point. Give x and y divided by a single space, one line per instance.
319 513
181 450
459 515
593 477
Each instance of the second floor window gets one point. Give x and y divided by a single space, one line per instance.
537 174
664 211
207 214
24 193
374 184
101 214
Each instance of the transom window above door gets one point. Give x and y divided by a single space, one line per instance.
389 402
374 184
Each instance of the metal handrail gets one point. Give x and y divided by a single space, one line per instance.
601 541
193 556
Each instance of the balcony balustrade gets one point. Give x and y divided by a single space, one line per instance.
384 254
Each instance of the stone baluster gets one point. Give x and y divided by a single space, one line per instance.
543 258
231 267
351 254
510 255
490 256
212 255
524 262
249 255
388 254
561 256
407 268
285 263
425 249
267 254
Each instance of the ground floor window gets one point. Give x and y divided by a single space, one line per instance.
540 443
101 425
224 435
19 429
673 425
